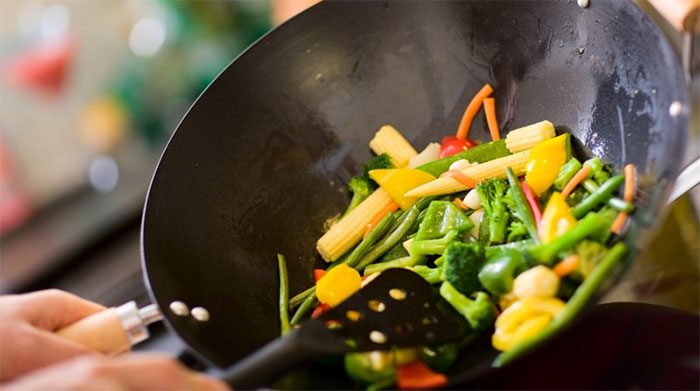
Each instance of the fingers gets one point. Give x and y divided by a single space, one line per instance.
54 309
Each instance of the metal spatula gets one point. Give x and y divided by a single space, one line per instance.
398 308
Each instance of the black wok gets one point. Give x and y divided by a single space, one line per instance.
260 161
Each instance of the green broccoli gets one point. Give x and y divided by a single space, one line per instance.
430 274
516 231
361 186
463 261
493 193
479 311
600 172
443 223
590 253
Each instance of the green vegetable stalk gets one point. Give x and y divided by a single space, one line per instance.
574 306
443 223
614 202
478 312
589 225
432 275
462 264
395 263
361 186
567 172
599 171
492 194
390 240
498 273
374 235
479 154
521 205
602 195
284 295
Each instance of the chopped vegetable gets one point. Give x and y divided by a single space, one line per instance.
473 108
442 224
432 275
463 261
492 194
373 223
599 171
396 263
479 154
320 309
575 180
418 376
545 161
337 285
523 320
480 172
388 140
360 188
284 295
602 195
460 204
452 145
567 171
567 265
556 220
397 181
369 367
539 281
429 154
472 199
390 240
614 202
318 273
440 357
521 207
461 178
304 307
589 253
589 225
491 120
499 271
460 164
621 218
532 201
478 312
527 137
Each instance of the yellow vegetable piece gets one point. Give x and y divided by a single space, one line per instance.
338 284
557 218
524 319
544 162
397 181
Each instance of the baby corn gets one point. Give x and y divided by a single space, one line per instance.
524 138
388 140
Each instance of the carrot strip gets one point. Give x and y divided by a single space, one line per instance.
466 123
567 265
461 178
491 120
619 222
373 223
460 204
577 178
629 182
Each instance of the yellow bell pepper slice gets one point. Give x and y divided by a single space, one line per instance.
557 218
338 284
524 319
544 162
397 181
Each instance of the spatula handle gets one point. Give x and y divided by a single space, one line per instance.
266 364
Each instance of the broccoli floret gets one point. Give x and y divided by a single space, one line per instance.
431 274
379 162
361 188
517 231
590 253
479 312
493 193
434 246
599 172
443 223
463 261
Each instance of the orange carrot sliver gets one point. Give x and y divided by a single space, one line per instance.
575 180
459 203
373 223
461 178
619 222
629 182
491 120
567 265
466 123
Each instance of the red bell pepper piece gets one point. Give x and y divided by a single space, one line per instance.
418 376
452 145
533 201
318 273
320 309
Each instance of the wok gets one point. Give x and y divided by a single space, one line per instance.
261 159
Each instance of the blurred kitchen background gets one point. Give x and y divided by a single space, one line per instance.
90 93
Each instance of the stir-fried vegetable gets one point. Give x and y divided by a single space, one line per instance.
478 311
492 194
462 264
444 222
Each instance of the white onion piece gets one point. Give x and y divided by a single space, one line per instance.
472 199
476 219
429 154
460 164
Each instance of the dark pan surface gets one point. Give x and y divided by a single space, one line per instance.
259 162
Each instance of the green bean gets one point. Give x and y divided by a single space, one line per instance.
573 307
589 225
284 295
398 262
567 172
520 245
522 206
303 309
603 194
616 203
390 240
375 234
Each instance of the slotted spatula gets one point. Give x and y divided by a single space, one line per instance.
398 308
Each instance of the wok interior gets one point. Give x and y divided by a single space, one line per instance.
261 160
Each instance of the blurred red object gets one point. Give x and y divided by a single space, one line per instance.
43 67
15 206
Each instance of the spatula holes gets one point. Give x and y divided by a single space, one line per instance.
377 337
429 335
353 315
397 294
426 320
376 305
403 328
333 324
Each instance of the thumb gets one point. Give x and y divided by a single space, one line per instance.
54 309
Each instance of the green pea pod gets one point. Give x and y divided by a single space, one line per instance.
603 194
479 154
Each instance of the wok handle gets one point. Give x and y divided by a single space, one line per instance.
113 330
266 364
684 15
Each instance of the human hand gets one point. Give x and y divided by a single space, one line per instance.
27 323
128 372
